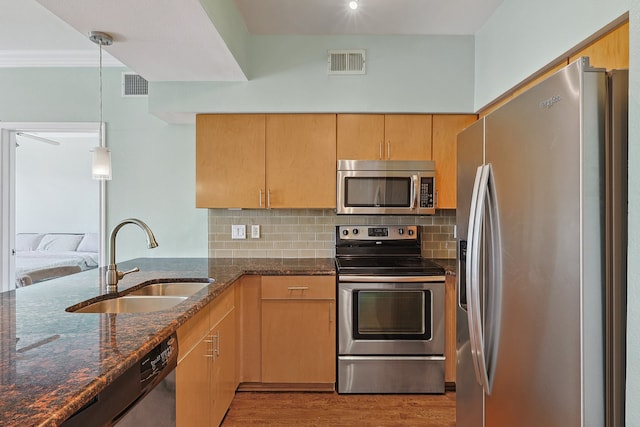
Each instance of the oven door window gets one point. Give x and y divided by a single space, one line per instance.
397 314
389 192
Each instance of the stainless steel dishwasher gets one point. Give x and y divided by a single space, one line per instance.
143 395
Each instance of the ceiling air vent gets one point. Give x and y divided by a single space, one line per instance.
134 85
347 61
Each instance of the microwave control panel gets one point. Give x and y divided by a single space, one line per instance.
426 192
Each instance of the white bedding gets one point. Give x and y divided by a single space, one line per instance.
31 261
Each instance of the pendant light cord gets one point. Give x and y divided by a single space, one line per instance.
100 98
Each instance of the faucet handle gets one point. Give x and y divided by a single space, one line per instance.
121 274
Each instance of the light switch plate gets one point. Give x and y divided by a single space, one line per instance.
255 231
238 231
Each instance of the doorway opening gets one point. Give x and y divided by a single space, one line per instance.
51 208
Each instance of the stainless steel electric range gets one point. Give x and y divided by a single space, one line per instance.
390 312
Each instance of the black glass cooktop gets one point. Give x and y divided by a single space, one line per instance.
375 265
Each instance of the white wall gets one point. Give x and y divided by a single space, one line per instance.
522 37
54 189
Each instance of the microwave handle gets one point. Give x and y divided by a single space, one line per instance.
414 191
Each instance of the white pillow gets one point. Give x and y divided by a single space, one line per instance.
59 242
90 243
27 241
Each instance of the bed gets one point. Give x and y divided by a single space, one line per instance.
45 256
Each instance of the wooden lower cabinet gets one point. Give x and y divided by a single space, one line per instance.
270 332
299 331
206 376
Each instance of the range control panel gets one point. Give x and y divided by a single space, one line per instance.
373 232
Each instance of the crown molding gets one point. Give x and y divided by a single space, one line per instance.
55 58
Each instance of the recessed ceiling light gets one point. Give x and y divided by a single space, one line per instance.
353 4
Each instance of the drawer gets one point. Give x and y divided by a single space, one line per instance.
192 331
222 305
298 287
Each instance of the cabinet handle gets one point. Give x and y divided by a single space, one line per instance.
260 200
211 352
268 198
298 288
388 150
380 153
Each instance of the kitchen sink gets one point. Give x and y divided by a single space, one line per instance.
154 296
180 289
132 304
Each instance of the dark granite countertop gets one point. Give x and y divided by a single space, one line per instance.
52 362
449 265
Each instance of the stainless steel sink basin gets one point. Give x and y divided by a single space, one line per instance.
182 289
132 304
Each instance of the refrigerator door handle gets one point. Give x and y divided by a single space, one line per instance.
486 199
493 303
472 272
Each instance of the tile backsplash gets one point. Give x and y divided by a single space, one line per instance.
310 233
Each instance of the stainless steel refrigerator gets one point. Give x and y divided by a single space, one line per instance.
541 226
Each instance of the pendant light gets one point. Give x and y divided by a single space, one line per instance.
101 159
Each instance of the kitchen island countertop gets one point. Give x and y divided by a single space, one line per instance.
52 361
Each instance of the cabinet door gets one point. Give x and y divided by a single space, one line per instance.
360 136
301 160
298 341
445 130
610 51
230 160
407 136
193 393
224 379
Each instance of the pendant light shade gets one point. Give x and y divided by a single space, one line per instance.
101 159
101 163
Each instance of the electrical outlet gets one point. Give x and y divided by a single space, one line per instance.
255 231
238 231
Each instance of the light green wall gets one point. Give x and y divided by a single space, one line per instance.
520 38
404 74
229 23
153 162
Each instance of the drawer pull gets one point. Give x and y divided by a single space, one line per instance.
298 288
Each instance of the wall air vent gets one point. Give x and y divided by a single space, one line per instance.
134 85
350 61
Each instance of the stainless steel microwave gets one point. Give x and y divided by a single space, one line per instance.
386 187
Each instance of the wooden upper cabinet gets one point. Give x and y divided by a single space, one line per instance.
445 130
230 160
610 51
301 160
407 136
384 137
266 161
360 136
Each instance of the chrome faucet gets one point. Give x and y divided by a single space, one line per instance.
112 275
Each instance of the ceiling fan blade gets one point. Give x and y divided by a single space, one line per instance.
38 138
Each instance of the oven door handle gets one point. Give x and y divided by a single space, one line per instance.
386 279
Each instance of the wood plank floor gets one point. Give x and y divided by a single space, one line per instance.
332 409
